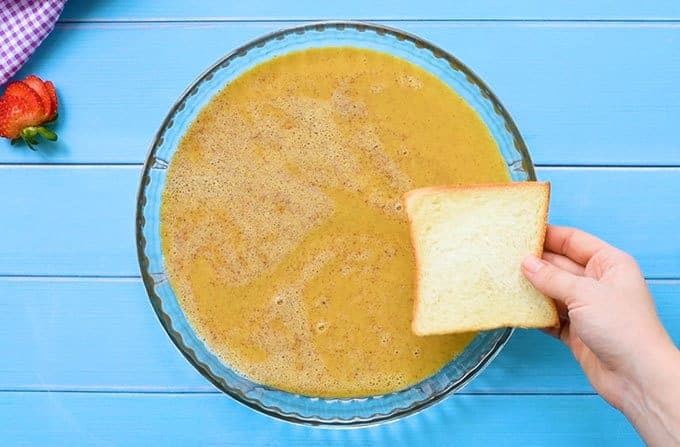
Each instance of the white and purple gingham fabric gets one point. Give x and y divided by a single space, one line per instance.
23 26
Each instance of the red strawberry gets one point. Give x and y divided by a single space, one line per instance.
20 89
18 114
39 87
53 99
25 108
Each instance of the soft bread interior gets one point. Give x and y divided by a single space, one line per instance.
469 242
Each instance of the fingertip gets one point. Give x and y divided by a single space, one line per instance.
549 279
532 264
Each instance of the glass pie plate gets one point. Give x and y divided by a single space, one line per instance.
280 404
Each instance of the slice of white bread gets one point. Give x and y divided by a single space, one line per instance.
469 242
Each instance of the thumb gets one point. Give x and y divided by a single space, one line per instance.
549 279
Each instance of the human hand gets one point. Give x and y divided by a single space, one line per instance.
608 321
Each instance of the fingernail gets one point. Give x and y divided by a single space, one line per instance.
532 264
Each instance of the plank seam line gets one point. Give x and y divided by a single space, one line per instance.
60 165
612 167
132 278
237 20
219 393
42 165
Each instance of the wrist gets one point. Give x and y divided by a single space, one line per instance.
652 396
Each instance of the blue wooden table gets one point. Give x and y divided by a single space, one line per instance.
594 86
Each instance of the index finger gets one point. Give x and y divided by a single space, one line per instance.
575 244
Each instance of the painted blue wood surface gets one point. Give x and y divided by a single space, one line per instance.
387 9
129 419
48 327
581 93
80 220
85 361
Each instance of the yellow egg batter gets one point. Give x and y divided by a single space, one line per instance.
282 226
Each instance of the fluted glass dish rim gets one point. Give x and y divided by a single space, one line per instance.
157 285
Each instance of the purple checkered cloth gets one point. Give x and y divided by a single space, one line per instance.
23 26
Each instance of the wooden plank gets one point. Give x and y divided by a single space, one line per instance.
57 419
576 93
80 220
68 220
381 9
47 329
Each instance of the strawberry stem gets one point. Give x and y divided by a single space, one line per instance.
47 133
30 144
30 136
